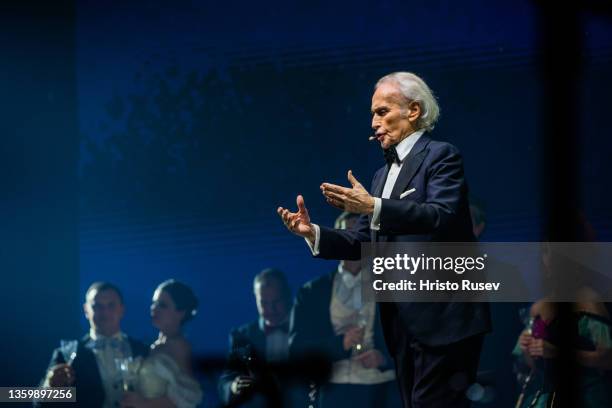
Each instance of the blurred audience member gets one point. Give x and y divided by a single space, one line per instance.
164 378
93 370
257 343
537 351
330 319
586 330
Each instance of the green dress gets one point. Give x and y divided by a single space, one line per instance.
595 385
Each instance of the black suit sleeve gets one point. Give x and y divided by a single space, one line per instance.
346 244
307 333
233 368
445 187
379 342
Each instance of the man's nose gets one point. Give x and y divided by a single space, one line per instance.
375 124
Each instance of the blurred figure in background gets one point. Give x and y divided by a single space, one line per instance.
165 378
584 327
93 370
257 343
330 319
536 351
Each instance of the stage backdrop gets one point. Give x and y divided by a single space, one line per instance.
198 120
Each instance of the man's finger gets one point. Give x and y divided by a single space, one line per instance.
360 357
334 188
295 223
335 196
286 215
301 205
352 179
291 222
335 203
363 356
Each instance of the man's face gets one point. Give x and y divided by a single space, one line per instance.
104 311
393 117
270 303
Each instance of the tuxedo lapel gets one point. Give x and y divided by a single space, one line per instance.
412 162
379 184
89 381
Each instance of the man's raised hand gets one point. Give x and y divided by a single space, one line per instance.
355 199
298 222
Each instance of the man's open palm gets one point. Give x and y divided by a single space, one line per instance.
298 222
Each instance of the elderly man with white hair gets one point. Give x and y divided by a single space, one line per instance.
420 195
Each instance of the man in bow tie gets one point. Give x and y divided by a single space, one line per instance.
419 195
265 340
93 371
330 319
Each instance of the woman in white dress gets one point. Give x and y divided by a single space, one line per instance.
165 378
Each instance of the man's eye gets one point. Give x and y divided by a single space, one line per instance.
380 112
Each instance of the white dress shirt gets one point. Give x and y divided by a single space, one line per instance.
277 344
106 350
403 148
346 309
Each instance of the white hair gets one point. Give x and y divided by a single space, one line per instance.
415 89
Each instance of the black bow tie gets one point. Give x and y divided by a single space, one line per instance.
103 342
391 156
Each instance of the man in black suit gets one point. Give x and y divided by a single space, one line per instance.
253 345
93 371
420 195
330 320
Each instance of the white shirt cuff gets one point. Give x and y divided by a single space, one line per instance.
314 248
375 224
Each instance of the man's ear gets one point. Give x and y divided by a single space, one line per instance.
414 111
86 310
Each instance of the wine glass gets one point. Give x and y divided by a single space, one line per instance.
362 323
68 349
128 370
526 319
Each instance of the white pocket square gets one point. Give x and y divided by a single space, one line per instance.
407 192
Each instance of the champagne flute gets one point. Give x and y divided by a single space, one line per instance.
127 368
526 319
362 323
68 349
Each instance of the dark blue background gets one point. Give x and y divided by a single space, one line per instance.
198 120
194 121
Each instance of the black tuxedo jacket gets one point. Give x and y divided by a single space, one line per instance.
89 388
311 330
438 210
247 341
